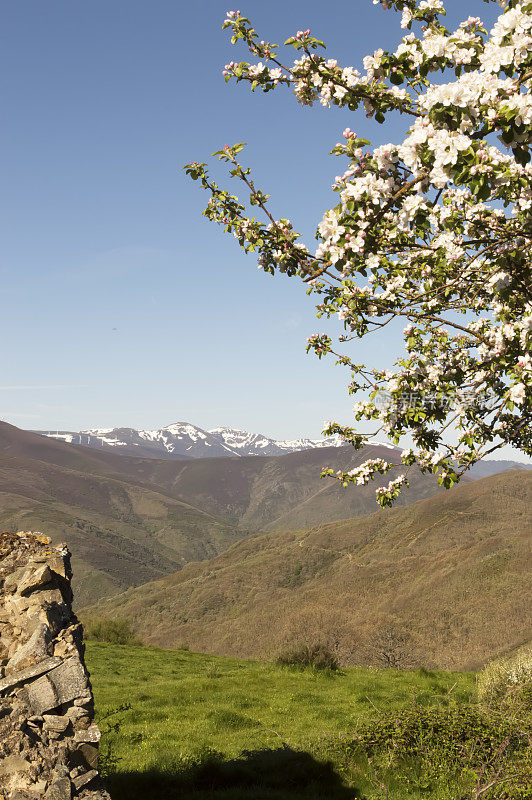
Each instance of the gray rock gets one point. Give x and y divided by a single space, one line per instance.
24 675
58 565
59 789
34 579
17 606
76 712
54 722
60 685
83 701
85 778
88 754
70 679
92 734
34 651
13 764
12 580
47 596
41 695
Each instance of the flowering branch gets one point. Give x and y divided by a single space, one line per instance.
435 230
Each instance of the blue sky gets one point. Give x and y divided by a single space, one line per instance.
121 304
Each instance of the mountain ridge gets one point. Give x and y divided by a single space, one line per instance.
185 440
182 440
131 519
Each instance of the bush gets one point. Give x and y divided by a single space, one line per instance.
115 631
507 681
428 749
317 656
450 732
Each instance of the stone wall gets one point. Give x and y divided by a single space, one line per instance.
48 739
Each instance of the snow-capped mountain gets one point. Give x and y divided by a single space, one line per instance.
183 440
256 444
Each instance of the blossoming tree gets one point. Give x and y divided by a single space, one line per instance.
436 229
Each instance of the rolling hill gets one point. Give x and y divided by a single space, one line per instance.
253 492
271 492
448 577
131 520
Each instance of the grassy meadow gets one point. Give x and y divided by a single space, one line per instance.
192 715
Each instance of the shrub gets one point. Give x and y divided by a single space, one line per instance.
110 723
317 656
432 748
115 631
508 680
450 732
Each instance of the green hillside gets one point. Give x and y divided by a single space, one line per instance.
444 582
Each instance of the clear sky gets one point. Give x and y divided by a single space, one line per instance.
122 305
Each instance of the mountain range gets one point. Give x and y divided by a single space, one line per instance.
129 520
201 551
184 440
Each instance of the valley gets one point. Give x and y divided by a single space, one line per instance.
129 520
448 579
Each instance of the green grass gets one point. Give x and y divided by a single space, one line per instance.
186 705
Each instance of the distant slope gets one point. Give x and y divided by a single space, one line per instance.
275 492
130 520
482 469
453 572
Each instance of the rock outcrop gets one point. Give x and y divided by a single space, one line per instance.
48 739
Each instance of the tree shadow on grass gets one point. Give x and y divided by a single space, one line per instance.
282 774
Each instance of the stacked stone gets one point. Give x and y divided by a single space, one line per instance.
48 739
